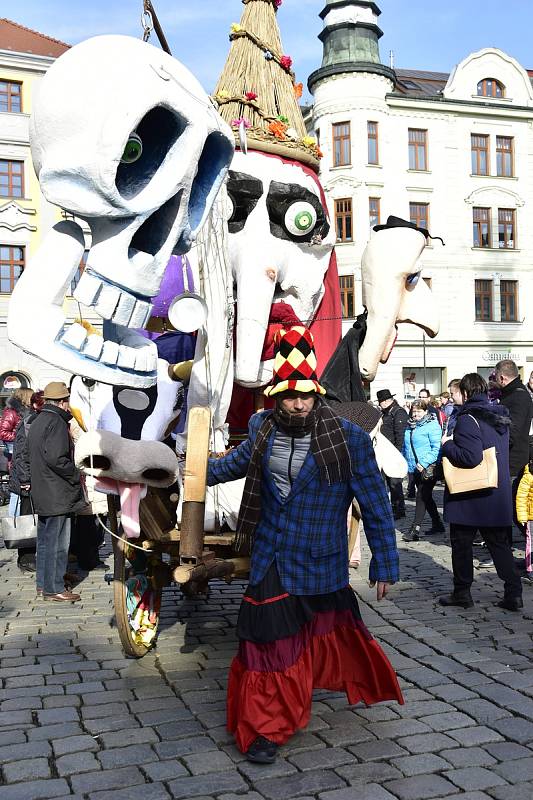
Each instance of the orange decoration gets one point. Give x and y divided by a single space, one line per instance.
278 129
298 90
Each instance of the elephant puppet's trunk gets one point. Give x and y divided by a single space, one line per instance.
254 301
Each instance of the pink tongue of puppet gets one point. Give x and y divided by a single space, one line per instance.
281 316
130 496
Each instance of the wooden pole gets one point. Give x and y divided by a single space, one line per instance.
194 484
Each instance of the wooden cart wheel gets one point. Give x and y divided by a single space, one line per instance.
122 571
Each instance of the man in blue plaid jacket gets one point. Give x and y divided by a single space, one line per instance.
306 533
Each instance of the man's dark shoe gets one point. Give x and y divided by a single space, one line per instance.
462 600
27 564
511 603
485 563
262 751
413 534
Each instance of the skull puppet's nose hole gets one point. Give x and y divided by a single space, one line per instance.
214 160
158 130
96 462
155 474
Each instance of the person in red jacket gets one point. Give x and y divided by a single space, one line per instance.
17 407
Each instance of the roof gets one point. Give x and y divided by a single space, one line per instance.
19 39
420 83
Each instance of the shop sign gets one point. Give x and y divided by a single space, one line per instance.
11 382
493 357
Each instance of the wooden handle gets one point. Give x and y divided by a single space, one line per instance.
199 421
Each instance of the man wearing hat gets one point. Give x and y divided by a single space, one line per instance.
299 623
55 490
395 421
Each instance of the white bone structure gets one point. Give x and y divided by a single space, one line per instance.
125 138
393 292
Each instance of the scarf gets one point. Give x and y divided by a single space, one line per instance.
328 446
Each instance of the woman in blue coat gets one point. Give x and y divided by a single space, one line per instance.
480 425
299 624
421 448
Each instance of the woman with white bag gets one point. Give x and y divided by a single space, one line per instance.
480 426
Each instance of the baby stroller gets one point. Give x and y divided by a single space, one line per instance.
4 478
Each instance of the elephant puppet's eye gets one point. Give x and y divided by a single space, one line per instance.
412 280
133 149
300 218
243 193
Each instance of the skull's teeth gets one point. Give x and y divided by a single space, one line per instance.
75 336
109 353
112 303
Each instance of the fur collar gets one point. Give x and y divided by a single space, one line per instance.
495 415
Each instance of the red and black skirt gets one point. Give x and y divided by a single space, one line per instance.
290 645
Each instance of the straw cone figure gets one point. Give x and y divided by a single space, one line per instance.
280 239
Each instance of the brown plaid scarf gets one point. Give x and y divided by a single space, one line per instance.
328 445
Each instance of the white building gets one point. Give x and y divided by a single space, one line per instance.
453 153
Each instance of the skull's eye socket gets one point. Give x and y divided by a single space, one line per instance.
300 218
133 149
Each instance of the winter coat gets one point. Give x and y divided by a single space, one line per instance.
20 464
55 481
489 428
305 533
11 416
426 441
515 397
524 497
395 421
447 409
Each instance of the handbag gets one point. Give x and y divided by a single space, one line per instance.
460 480
20 531
433 472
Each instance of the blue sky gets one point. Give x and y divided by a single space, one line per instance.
423 35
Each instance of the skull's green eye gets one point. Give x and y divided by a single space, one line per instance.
300 218
133 150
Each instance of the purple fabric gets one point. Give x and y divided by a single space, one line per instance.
172 285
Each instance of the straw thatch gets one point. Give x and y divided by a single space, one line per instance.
257 87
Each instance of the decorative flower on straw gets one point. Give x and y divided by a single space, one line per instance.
235 27
298 90
277 3
223 94
235 123
286 62
309 141
268 55
283 119
291 133
278 129
251 96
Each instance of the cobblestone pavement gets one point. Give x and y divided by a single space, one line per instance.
79 720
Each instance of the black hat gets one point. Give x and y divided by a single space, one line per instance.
398 222
384 394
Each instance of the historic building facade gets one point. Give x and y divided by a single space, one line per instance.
25 216
453 153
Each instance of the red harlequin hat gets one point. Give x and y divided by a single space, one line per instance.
294 362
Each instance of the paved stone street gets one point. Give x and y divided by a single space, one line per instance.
79 720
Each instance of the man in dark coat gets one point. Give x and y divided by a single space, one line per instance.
515 397
55 489
395 420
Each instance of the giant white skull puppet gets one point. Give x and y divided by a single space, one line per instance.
280 244
393 291
124 137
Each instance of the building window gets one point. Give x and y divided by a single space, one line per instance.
490 87
509 301
346 284
374 211
419 214
11 178
11 266
418 155
504 156
11 96
373 149
341 144
506 228
79 272
343 220
481 220
480 154
483 301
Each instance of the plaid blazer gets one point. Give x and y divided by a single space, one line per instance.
307 532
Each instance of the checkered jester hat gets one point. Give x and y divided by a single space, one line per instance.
294 362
